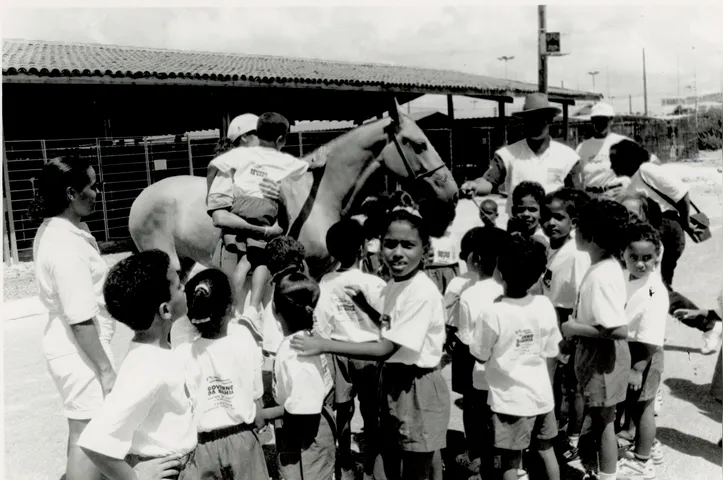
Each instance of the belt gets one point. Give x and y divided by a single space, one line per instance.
219 433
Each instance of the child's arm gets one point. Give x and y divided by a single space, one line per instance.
308 345
573 328
645 352
271 413
484 337
118 469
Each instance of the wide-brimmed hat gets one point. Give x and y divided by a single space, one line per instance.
601 109
537 104
242 125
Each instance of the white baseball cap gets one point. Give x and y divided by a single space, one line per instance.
602 110
241 125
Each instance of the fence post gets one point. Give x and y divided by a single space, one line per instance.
14 258
190 154
102 193
45 153
301 145
148 161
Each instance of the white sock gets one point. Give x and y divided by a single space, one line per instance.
607 476
574 440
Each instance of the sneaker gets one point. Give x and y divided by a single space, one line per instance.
465 462
656 453
634 469
590 475
658 405
712 339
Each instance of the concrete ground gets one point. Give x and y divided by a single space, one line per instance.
689 425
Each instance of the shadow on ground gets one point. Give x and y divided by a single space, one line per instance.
689 444
697 394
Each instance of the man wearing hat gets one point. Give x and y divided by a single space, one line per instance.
597 176
536 158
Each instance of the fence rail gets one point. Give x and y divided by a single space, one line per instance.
128 165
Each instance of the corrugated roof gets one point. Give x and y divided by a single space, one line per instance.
101 63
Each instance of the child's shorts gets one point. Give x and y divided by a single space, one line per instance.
602 368
462 367
301 457
257 211
442 275
233 453
356 378
516 433
415 409
651 375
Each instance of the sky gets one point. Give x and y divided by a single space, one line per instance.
683 44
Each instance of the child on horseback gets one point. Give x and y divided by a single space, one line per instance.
242 171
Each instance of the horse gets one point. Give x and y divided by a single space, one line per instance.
171 215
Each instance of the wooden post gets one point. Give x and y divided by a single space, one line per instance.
102 193
45 153
11 219
565 122
541 45
503 122
301 144
450 115
148 161
190 155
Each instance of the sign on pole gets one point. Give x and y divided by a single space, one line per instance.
552 43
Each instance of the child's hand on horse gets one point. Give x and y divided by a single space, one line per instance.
306 344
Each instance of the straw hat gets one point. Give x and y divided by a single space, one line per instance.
537 104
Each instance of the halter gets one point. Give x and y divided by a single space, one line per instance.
393 139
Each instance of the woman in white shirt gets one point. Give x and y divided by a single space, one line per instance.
70 273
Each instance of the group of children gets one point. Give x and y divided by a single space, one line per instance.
566 304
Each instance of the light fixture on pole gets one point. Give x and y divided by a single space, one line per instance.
505 59
592 74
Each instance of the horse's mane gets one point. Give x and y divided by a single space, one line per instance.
319 155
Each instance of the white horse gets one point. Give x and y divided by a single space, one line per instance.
170 215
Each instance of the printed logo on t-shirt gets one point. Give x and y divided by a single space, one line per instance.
525 339
444 254
555 175
220 393
258 172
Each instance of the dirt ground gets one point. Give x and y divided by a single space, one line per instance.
689 425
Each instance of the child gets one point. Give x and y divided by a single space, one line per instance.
462 282
145 428
416 403
518 340
468 377
602 357
246 168
442 261
223 375
488 212
527 199
566 267
303 387
647 314
340 319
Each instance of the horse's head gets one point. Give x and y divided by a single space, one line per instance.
413 157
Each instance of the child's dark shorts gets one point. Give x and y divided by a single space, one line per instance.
356 378
442 275
234 453
415 408
516 433
257 211
602 368
307 450
462 367
651 375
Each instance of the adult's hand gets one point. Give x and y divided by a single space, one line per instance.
270 189
158 468
107 380
469 188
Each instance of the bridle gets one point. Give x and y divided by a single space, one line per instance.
390 130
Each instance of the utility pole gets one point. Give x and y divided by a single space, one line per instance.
630 104
541 44
592 74
695 89
505 58
607 80
645 85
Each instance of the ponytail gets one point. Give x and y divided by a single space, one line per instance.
295 298
209 297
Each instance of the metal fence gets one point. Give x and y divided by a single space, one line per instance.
126 166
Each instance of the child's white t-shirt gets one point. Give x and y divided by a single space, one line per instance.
454 290
445 250
602 297
244 169
300 384
663 179
566 268
417 321
224 378
148 412
517 337
647 309
472 304
338 316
